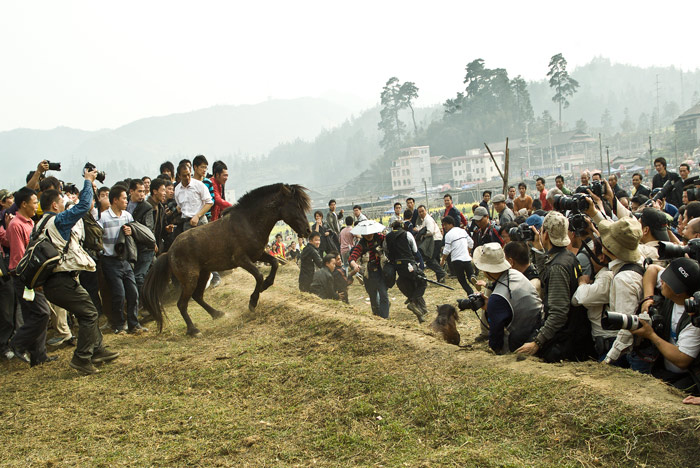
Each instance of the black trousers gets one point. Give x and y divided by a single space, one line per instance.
409 283
90 281
433 264
31 336
64 290
8 316
463 269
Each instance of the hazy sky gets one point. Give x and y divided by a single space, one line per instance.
97 64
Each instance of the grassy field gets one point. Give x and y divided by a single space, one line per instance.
306 382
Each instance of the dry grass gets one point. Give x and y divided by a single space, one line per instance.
306 382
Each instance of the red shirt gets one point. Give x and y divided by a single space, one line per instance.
219 203
545 203
18 233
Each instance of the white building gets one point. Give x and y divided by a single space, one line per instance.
411 170
475 166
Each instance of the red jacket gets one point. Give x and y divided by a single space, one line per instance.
219 203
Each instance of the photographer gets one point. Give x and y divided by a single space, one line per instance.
679 343
62 287
518 255
514 307
654 229
565 333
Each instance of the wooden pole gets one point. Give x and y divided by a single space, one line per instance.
506 170
494 160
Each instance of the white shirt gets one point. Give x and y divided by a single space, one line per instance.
431 227
457 244
594 297
192 198
688 340
626 290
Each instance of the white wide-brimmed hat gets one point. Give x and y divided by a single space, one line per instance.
367 227
490 258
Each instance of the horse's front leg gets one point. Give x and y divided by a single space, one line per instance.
274 264
250 267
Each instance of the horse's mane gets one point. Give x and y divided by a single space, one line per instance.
257 198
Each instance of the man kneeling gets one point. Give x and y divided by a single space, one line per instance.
513 309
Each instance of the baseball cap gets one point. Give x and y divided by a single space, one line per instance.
480 213
657 222
681 275
557 227
535 220
491 258
500 198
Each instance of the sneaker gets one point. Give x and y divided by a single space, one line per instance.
481 338
137 330
83 365
8 354
48 359
472 280
441 280
104 355
58 340
119 330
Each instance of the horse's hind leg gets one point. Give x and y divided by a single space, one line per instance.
198 296
250 267
188 285
274 264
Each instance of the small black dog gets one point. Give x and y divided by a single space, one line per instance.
446 323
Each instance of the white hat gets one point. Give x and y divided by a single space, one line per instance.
490 258
367 227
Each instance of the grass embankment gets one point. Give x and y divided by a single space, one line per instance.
305 382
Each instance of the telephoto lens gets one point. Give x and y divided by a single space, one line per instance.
615 321
473 302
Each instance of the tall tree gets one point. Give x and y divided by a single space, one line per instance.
392 102
606 122
522 98
409 92
627 125
559 80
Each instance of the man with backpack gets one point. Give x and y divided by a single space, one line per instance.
29 342
65 230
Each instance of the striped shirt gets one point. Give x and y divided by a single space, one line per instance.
365 246
112 224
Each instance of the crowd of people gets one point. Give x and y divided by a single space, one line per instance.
106 239
592 272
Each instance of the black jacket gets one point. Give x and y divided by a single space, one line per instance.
127 247
309 259
323 285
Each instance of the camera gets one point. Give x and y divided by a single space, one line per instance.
615 321
667 187
692 308
670 250
54 166
578 224
100 174
521 233
171 205
576 202
598 188
473 301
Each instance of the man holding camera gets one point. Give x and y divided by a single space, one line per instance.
514 307
565 333
679 342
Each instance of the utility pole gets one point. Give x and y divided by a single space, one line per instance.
682 93
658 113
607 152
651 154
427 204
600 142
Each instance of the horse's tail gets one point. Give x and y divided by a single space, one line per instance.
153 287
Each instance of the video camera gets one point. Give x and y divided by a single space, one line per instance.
692 308
577 202
670 250
615 321
474 302
689 185
578 224
100 174
521 233
666 189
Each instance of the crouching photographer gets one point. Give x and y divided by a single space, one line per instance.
513 309
677 339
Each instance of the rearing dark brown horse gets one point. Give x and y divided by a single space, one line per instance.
235 240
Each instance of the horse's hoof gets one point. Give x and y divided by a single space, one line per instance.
251 307
194 333
217 314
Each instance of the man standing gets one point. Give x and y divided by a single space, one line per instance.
559 181
347 240
398 214
431 244
357 213
505 214
485 198
450 210
485 232
374 280
457 245
218 181
511 195
401 251
662 175
411 205
308 260
524 200
637 187
142 212
117 271
29 342
540 186
192 197
62 287
332 218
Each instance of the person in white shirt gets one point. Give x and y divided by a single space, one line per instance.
192 197
457 246
431 240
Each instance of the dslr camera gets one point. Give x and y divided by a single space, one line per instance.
669 250
692 308
54 166
577 202
474 302
521 233
578 224
100 174
615 321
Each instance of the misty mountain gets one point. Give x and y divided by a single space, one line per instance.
220 132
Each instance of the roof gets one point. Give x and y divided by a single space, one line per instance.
572 136
691 113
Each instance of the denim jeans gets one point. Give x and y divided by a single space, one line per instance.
378 295
143 264
122 284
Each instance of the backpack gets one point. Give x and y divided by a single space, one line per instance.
93 234
41 257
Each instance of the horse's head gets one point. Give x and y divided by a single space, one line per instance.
295 203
